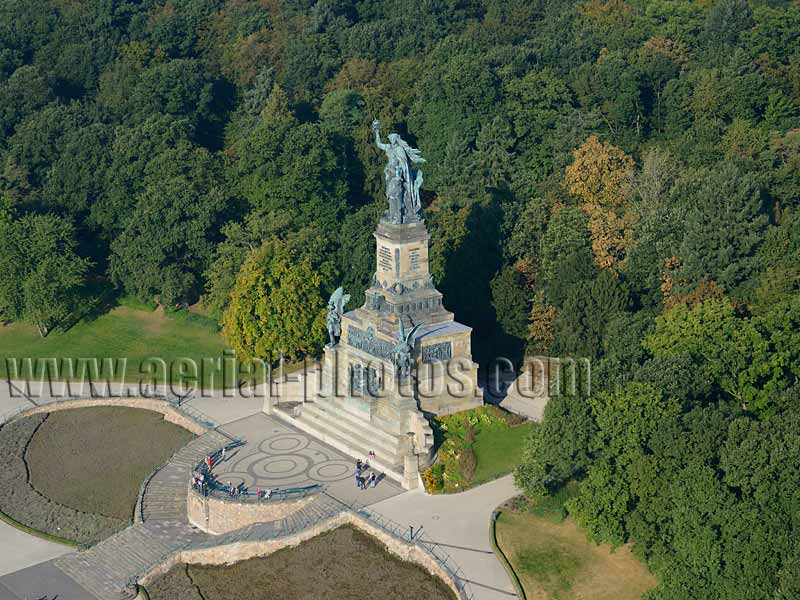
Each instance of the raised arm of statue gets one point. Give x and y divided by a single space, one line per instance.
376 127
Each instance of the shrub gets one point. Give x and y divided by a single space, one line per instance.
458 433
433 478
467 463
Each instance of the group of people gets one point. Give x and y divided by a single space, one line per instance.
234 491
202 479
364 481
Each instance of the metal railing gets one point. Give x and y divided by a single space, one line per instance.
180 403
213 488
305 519
433 549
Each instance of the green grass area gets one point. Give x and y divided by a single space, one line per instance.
475 446
95 459
189 345
341 564
555 560
498 451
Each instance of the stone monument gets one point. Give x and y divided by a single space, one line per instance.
401 357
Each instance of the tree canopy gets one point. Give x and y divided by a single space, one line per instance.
616 180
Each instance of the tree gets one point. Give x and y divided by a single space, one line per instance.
724 227
584 314
726 20
558 448
493 158
136 159
25 92
600 178
276 305
510 301
181 88
627 418
287 166
566 240
168 241
41 271
750 359
535 104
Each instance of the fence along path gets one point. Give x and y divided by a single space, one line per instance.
111 569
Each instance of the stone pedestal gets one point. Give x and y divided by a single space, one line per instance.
362 403
446 378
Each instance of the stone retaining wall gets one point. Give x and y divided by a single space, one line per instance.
240 551
216 515
171 414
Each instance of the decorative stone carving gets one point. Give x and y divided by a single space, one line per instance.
437 352
366 341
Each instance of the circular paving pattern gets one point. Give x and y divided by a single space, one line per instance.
284 443
285 459
333 470
280 467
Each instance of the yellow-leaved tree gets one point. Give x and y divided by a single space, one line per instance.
276 305
599 178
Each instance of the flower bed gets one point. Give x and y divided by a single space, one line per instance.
23 504
75 474
476 446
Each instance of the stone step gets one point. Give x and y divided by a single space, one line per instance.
358 445
106 568
348 417
333 438
382 443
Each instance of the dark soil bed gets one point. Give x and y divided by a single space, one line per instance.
344 564
76 474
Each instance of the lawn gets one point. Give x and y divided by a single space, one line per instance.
95 459
126 332
498 451
339 565
554 560
475 446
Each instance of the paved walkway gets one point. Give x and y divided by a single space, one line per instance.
278 455
221 407
459 523
19 550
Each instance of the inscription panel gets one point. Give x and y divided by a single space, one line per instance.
413 256
441 352
366 341
385 259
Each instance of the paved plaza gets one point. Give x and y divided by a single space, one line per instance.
278 456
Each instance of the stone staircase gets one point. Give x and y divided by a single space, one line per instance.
165 496
330 421
106 569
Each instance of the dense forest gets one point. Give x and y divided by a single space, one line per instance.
612 180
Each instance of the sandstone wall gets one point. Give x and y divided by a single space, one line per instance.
171 414
218 515
239 551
